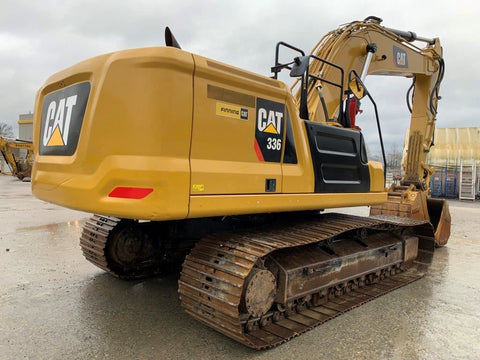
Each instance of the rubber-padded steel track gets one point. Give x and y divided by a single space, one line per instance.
214 273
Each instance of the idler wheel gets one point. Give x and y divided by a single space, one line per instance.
259 292
126 247
130 249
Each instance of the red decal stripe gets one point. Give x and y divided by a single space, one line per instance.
257 150
130 192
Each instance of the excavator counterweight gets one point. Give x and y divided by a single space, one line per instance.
196 166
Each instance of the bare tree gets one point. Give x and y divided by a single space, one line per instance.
6 130
394 157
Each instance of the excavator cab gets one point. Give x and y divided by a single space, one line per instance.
338 152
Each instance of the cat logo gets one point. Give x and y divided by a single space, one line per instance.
62 117
269 121
400 57
58 120
268 143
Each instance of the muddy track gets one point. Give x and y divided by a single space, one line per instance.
214 275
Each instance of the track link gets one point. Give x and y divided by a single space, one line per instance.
214 273
94 238
94 243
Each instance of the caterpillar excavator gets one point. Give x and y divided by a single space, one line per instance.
20 167
189 161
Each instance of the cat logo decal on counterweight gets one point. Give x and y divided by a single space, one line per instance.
62 118
56 133
269 130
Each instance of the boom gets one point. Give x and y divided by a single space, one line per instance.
324 94
368 48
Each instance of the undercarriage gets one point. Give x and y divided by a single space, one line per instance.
264 282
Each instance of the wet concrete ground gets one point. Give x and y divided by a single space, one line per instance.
56 305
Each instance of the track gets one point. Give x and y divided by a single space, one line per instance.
214 275
100 232
93 240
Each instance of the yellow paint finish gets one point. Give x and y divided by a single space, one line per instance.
219 205
136 132
298 178
198 187
89 191
151 122
223 156
377 177
223 176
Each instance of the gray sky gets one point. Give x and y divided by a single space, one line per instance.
39 38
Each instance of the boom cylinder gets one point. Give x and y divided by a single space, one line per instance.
411 36
371 49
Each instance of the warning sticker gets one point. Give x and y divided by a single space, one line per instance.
198 187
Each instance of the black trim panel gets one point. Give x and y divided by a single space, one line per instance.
339 159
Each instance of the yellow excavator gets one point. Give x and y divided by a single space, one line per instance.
19 166
180 154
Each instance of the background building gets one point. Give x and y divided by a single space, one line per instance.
456 160
25 127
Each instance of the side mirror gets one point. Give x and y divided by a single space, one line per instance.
300 66
357 88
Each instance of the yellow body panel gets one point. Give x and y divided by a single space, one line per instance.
222 157
182 126
298 178
220 205
134 134
376 176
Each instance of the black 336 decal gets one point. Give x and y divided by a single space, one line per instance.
269 130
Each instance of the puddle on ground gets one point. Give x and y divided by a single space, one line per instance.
77 224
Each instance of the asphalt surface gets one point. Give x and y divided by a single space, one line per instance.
56 305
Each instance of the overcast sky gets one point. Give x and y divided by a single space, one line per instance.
39 38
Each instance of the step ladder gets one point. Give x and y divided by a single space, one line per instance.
468 174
